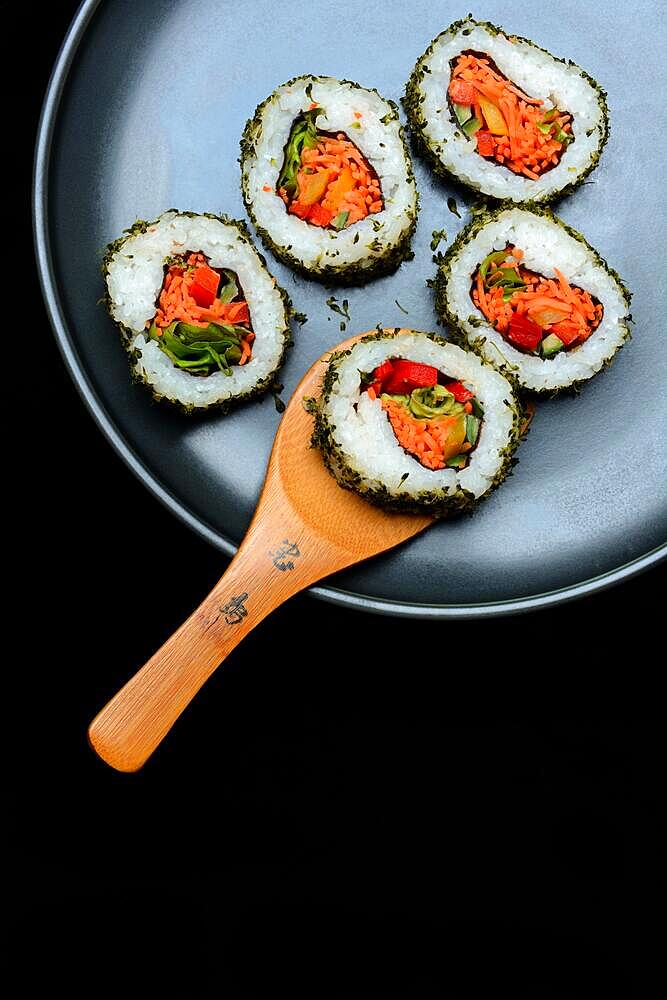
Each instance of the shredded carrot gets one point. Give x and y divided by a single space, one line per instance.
536 301
530 147
431 441
576 314
245 351
565 286
529 173
351 187
176 303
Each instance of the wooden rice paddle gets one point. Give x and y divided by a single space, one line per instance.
305 528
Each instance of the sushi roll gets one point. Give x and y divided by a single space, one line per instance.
203 321
503 116
530 295
413 423
327 179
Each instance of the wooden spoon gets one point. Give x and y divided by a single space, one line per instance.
305 528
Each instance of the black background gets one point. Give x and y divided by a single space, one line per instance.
356 805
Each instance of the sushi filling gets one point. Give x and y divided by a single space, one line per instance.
324 179
537 315
202 321
506 125
435 419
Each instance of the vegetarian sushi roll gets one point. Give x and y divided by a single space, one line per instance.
327 179
504 116
413 423
203 321
530 295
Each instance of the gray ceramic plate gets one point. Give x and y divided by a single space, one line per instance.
144 112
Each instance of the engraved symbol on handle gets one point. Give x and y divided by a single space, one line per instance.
235 610
280 559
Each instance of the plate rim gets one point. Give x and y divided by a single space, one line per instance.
94 405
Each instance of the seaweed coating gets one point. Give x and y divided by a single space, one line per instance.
447 318
127 335
382 261
435 502
424 147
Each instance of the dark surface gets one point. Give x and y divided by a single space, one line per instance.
130 141
355 806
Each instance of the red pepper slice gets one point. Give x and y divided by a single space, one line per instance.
318 215
461 92
409 375
236 312
523 332
296 208
383 371
381 374
485 143
567 332
459 392
204 287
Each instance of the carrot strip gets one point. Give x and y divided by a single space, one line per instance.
245 352
488 90
544 302
529 149
432 442
524 97
579 314
176 303
351 187
565 286
530 173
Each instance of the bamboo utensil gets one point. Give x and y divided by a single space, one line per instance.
305 528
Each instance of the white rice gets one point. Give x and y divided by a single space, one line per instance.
363 433
135 273
546 245
539 75
357 112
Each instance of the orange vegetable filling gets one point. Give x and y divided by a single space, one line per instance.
432 442
176 302
514 130
554 305
435 419
336 185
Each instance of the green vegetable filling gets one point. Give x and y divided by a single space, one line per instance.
530 332
230 290
201 350
434 402
472 126
340 220
198 349
303 135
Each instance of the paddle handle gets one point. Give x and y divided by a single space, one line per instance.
305 528
270 566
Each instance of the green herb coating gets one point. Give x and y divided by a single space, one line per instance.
358 272
426 148
438 503
453 322
128 335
